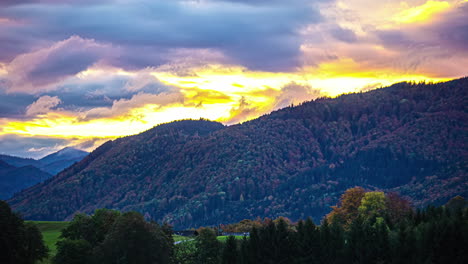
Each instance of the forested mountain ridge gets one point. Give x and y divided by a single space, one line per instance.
294 162
14 179
52 163
18 173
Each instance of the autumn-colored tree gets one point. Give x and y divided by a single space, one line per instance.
347 209
397 207
372 205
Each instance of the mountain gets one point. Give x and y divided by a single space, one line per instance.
14 179
64 158
53 163
18 173
295 162
19 162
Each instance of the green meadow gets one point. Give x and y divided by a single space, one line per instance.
51 231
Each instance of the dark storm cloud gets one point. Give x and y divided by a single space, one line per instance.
263 37
14 105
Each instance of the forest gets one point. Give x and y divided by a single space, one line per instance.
295 162
364 227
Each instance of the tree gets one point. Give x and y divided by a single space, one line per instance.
307 242
456 203
208 247
244 251
373 205
73 252
21 243
397 208
91 228
35 249
230 253
133 240
254 246
347 209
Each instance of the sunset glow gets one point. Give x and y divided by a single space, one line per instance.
88 77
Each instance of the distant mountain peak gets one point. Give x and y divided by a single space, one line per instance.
67 152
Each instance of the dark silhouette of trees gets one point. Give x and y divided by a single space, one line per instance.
230 253
208 247
20 242
111 237
377 233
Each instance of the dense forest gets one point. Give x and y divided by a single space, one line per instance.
364 227
295 162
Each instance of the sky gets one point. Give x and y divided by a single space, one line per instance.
81 72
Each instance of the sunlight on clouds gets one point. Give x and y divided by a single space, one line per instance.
227 79
94 72
421 13
228 95
345 76
135 121
3 69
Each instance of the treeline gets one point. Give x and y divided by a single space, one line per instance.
366 227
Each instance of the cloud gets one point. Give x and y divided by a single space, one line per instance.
294 93
21 146
14 105
42 69
258 36
123 107
117 67
43 105
242 112
438 47
343 34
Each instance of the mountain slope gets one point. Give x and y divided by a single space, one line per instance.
18 173
19 162
64 158
52 163
13 179
293 162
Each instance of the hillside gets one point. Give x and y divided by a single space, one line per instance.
18 173
14 179
64 158
294 162
52 163
17 161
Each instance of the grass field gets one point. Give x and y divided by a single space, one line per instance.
50 233
224 238
180 238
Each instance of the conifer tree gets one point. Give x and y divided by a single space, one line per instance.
230 254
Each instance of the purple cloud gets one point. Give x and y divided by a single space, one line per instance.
42 69
258 36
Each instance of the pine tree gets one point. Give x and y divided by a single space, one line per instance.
230 254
